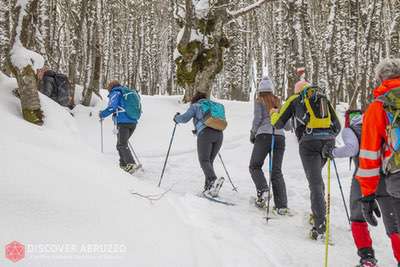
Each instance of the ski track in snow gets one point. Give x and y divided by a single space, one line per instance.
202 232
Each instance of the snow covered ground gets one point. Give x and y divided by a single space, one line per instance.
57 189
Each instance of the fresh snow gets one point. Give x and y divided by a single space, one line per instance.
57 188
21 56
201 8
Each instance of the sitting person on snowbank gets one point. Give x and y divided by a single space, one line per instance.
56 86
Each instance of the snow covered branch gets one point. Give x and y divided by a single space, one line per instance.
243 11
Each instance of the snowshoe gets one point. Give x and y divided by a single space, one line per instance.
217 199
213 191
368 263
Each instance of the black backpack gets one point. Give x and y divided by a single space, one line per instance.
317 107
63 89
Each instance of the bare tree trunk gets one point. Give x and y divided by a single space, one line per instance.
96 62
76 41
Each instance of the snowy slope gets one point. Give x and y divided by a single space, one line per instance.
56 187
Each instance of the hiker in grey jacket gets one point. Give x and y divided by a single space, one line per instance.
351 136
261 136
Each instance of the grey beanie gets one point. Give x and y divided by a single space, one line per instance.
387 69
265 85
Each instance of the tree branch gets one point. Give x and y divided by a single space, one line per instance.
245 10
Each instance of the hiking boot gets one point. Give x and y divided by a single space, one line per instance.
216 187
367 258
315 235
130 167
318 233
262 199
281 211
209 184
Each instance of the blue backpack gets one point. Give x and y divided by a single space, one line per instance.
214 114
131 103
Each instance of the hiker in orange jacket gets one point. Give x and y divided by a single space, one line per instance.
379 172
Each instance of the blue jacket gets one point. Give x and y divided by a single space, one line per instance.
194 112
115 107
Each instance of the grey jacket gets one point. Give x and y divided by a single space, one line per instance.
194 112
351 143
262 121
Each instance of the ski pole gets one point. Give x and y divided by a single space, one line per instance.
328 213
166 158
134 154
341 191
271 158
101 131
227 174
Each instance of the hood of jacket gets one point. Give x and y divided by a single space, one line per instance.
386 86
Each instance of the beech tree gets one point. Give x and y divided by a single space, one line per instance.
22 61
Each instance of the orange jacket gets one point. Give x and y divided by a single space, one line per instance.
374 152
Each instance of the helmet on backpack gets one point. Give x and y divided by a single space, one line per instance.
352 116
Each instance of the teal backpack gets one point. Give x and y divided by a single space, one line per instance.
131 103
214 114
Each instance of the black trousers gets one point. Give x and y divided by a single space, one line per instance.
262 147
393 189
209 142
125 131
385 204
313 162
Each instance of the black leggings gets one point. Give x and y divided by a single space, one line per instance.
262 147
209 142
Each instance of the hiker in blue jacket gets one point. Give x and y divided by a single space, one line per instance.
209 141
125 125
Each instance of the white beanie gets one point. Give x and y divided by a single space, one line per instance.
265 85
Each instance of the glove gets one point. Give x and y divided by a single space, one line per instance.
252 137
327 151
101 118
369 206
177 114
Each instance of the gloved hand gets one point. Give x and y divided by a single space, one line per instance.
252 137
100 117
327 151
177 114
369 206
